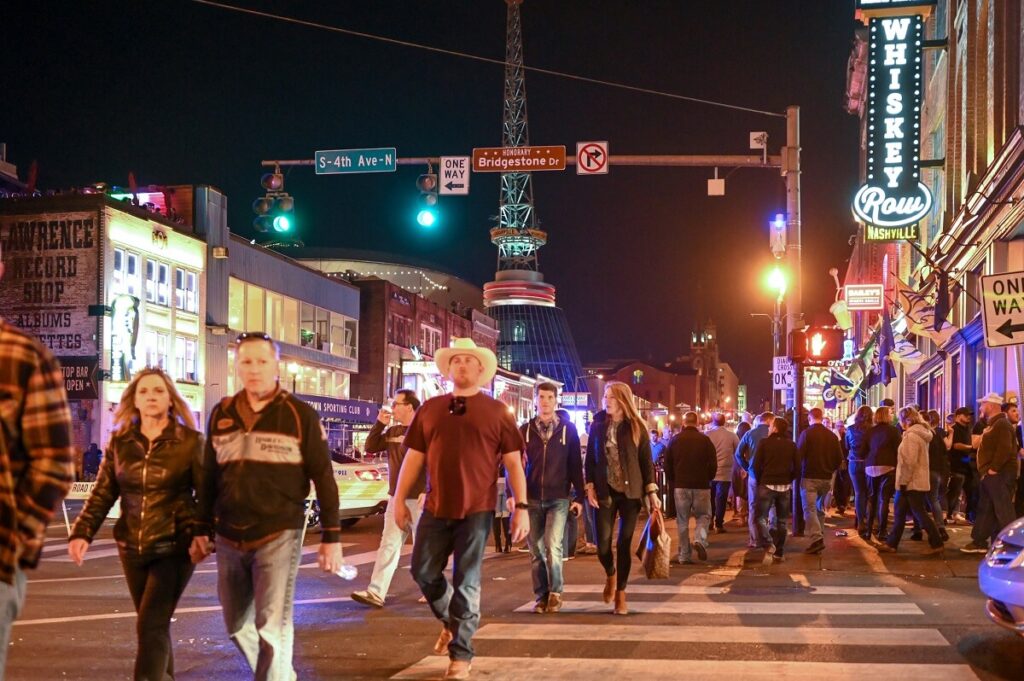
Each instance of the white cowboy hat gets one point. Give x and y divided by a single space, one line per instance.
993 398
466 346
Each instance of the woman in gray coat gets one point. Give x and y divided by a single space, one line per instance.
913 480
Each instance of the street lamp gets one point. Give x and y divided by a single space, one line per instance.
777 283
293 370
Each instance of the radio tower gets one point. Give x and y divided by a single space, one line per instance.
534 336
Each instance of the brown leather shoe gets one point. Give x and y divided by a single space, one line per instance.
541 606
620 604
554 602
441 646
609 589
458 669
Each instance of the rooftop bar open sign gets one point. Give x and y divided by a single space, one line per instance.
893 195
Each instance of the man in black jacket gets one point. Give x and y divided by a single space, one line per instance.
554 464
820 457
264 446
690 465
403 409
774 465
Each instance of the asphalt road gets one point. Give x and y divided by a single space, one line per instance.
845 614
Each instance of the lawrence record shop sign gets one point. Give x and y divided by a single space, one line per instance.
50 278
893 199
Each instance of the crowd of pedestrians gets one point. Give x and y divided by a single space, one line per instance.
461 468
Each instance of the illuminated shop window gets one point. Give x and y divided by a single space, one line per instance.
185 364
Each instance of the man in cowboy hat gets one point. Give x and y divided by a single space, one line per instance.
460 438
997 468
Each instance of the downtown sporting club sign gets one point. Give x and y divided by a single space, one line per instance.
893 199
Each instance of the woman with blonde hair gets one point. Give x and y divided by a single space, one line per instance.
620 474
913 480
153 464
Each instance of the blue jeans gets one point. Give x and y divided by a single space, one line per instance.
914 502
457 605
12 599
697 502
812 495
859 479
720 498
937 498
995 506
547 527
571 536
257 592
768 499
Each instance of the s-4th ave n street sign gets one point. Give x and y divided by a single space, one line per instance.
1002 309
347 161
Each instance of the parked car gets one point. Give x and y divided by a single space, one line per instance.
362 490
1001 578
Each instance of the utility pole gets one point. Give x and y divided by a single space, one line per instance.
794 316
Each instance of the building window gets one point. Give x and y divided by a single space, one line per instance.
307 325
638 376
254 308
236 304
954 383
157 282
430 339
290 323
400 330
126 273
156 349
519 332
185 363
185 294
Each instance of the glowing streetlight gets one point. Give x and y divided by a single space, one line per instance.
777 281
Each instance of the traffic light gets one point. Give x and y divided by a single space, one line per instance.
427 184
816 345
777 235
275 211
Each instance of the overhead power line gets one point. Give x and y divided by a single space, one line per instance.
488 60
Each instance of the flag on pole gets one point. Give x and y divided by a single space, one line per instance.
921 317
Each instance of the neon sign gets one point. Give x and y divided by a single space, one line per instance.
893 196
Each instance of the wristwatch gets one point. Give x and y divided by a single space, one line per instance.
522 506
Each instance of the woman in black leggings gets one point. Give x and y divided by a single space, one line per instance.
620 473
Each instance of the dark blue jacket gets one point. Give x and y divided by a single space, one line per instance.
552 466
748 445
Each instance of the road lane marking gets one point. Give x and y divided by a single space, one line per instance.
825 636
61 544
553 668
179 611
686 589
743 608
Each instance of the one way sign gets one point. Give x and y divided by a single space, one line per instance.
1002 309
455 175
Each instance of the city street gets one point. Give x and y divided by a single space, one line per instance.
844 614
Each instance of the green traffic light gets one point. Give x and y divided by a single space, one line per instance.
426 218
282 223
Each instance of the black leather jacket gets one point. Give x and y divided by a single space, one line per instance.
155 482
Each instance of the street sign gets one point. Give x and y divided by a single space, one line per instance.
864 297
1002 298
518 159
591 158
347 161
782 373
454 175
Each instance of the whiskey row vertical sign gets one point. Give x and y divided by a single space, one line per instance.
893 199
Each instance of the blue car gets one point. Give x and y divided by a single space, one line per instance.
1001 578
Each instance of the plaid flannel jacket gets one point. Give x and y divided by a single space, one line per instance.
36 466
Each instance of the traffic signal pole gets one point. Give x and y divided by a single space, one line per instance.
789 164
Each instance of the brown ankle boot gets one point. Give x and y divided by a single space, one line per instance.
620 603
609 589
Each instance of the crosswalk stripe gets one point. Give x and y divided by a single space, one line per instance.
826 636
686 589
553 668
107 553
743 608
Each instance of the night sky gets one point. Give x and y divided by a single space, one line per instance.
182 93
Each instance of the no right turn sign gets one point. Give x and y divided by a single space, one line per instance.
591 158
